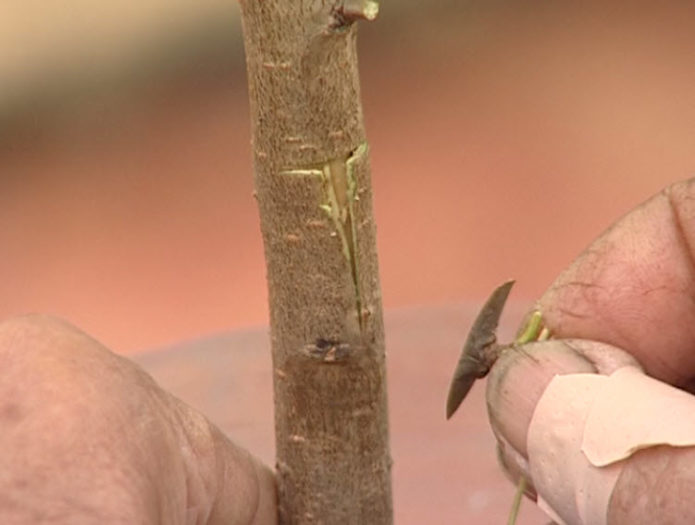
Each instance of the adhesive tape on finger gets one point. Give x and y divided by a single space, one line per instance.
576 445
559 469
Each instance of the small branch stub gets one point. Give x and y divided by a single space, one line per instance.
353 10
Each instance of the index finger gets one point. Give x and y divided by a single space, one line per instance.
634 287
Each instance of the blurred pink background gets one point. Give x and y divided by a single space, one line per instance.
504 137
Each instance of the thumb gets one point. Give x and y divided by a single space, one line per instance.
226 485
596 454
235 467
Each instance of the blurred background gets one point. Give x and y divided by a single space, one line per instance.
504 137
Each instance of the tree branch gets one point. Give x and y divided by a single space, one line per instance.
314 193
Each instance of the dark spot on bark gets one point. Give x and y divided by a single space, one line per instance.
328 350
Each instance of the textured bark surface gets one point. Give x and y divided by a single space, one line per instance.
313 187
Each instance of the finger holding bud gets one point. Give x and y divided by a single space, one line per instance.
581 423
522 373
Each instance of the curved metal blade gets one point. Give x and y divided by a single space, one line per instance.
472 365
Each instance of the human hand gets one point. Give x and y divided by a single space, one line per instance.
632 289
88 437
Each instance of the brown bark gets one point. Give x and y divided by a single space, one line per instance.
314 194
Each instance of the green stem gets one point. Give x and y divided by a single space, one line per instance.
516 504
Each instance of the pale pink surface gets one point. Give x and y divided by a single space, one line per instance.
501 145
569 483
637 400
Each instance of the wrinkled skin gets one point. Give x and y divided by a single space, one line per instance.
88 437
631 294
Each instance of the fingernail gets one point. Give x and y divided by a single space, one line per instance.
519 378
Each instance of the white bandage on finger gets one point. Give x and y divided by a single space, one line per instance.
576 445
